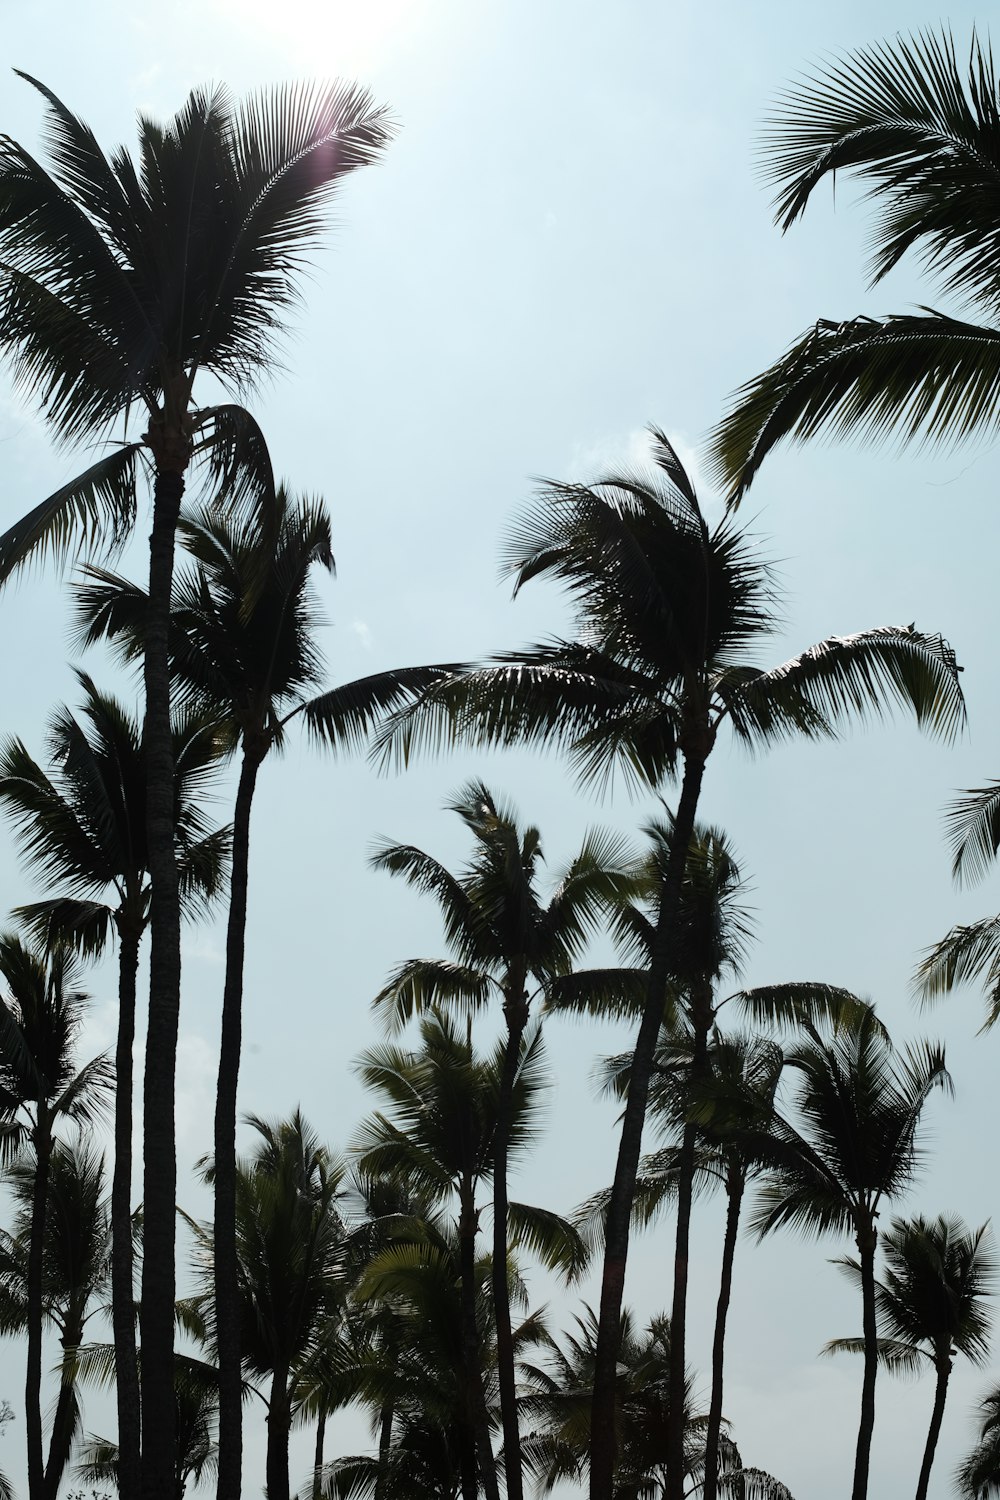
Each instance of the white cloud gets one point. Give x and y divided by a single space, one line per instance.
363 633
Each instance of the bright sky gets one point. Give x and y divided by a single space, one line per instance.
566 242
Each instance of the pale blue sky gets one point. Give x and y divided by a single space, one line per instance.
566 242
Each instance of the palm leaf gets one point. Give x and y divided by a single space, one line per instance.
93 513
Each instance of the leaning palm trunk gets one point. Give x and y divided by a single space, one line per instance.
943 1367
516 1012
734 1187
159 1126
227 1290
318 1455
33 1375
866 1254
122 1281
603 1441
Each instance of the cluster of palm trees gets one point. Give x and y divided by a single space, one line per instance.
320 1280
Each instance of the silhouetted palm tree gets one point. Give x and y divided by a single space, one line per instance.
41 1086
82 827
851 1149
123 281
508 946
930 1306
669 615
244 650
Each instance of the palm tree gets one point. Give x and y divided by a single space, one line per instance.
930 1306
292 1262
122 282
40 1088
196 1407
243 650
978 1476
669 613
76 1271
83 829
441 1141
858 1104
559 1446
921 131
508 945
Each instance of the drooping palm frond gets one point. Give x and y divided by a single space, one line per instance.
973 822
907 375
968 952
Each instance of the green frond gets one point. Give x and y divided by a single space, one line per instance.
549 1237
966 953
973 823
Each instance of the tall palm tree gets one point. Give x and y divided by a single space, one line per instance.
41 1087
123 281
76 1273
669 615
922 132
292 1262
509 944
82 827
243 650
851 1148
930 1306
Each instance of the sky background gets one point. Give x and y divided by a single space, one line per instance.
568 240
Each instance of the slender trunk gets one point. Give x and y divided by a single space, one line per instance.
227 1291
65 1416
516 1012
33 1375
603 1436
701 1017
479 1416
934 1432
735 1186
159 1126
867 1240
318 1456
122 1278
386 1417
279 1422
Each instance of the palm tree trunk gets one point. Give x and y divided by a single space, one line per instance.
734 1186
867 1240
467 1228
33 1375
159 1126
279 1423
65 1417
603 1439
516 1013
386 1416
122 1282
227 1292
701 1015
934 1432
318 1456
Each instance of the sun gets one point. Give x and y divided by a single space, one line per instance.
349 38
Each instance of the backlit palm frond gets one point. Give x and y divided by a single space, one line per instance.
797 1005
92 514
919 129
906 375
857 677
550 1238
